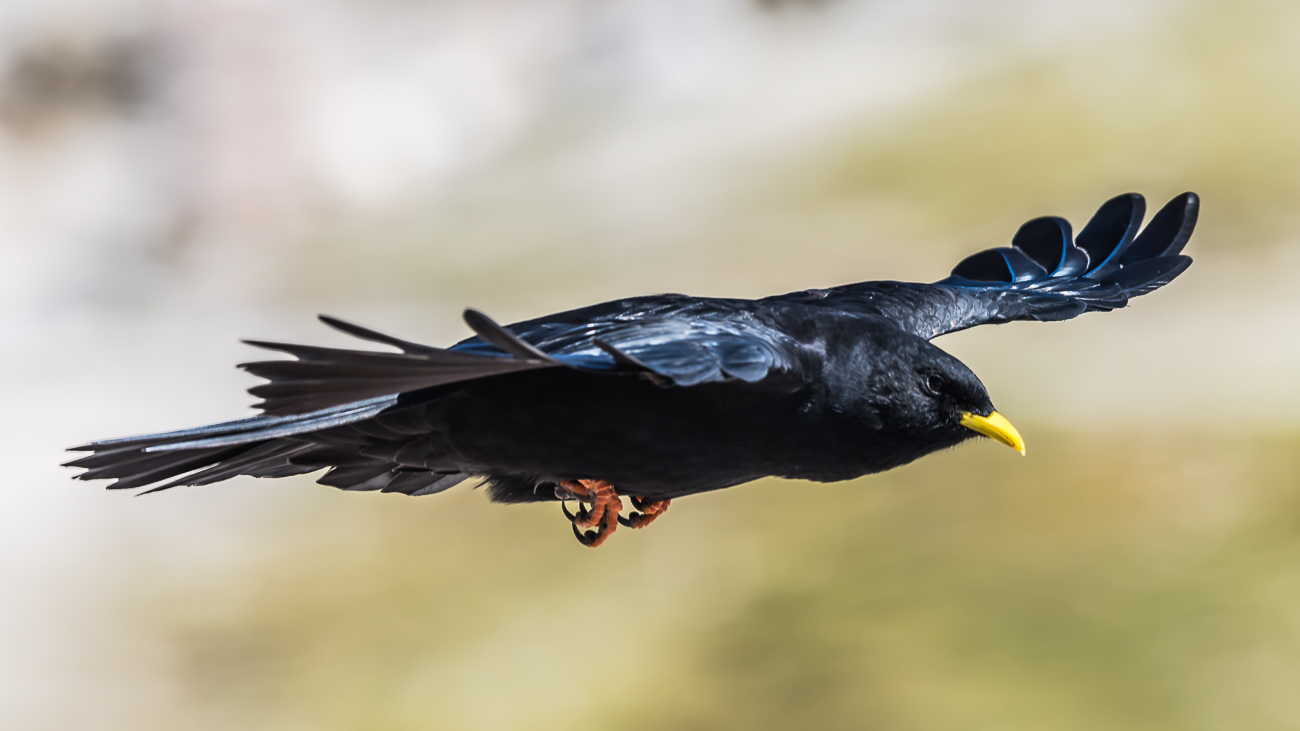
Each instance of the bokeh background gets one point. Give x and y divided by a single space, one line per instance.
176 174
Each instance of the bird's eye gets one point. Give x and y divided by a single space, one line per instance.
934 384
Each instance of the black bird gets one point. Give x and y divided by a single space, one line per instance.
658 397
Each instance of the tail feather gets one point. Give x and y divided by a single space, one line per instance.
347 477
341 438
256 426
266 456
302 424
255 446
131 462
167 467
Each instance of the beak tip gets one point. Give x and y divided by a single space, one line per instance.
994 426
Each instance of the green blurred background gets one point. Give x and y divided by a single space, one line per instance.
176 174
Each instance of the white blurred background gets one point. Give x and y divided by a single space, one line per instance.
175 175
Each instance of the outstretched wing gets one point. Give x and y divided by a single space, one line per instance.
1044 275
670 339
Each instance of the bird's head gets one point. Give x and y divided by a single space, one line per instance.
954 397
929 393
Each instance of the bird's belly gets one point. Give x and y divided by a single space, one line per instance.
650 441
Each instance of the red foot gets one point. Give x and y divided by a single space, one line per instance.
650 509
605 507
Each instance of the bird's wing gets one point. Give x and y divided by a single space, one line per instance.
1044 275
672 340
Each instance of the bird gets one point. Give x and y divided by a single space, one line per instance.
654 398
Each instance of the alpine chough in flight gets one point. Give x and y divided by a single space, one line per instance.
654 398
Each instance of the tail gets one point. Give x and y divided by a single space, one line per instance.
262 446
329 408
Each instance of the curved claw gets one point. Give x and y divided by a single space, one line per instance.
649 511
585 539
582 516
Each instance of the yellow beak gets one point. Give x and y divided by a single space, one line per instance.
994 426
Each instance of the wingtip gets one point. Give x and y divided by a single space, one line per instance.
492 332
1168 231
347 328
331 321
476 318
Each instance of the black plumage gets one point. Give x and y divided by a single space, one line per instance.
668 395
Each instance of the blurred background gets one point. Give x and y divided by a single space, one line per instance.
177 174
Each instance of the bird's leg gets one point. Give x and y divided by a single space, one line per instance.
650 509
605 507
